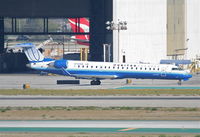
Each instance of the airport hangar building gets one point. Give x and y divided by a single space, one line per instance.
98 12
156 29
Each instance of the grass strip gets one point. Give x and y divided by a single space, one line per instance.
98 113
4 109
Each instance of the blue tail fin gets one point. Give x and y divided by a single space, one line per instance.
32 53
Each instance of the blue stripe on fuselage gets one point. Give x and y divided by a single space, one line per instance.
129 74
119 74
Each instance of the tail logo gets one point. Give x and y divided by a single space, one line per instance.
32 53
83 26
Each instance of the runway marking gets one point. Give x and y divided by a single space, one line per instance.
98 130
127 129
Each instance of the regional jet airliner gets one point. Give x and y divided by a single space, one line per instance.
97 71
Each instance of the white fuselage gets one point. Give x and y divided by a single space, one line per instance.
101 70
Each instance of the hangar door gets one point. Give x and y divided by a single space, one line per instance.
176 28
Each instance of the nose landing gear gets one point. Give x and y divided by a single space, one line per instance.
95 82
179 82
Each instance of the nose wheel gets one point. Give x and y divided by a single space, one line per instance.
95 82
179 82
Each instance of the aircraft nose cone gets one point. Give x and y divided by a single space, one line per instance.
189 75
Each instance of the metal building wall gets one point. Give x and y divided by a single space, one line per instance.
101 11
193 28
45 8
145 39
1 35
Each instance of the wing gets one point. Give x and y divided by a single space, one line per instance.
94 76
88 76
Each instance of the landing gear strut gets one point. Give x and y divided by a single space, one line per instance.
95 82
179 82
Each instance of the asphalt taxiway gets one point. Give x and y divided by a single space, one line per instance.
16 81
100 101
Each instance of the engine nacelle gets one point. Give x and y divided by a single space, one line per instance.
60 64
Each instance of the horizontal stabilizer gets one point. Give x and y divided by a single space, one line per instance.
32 53
24 45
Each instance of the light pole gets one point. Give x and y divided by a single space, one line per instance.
120 25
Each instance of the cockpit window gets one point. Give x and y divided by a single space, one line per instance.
174 68
177 69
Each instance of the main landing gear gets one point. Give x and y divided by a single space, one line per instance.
95 82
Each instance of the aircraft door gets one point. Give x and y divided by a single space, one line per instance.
163 73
